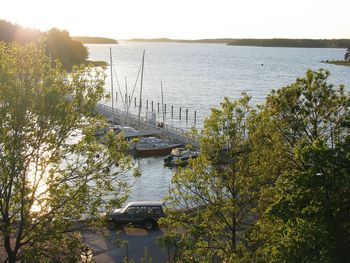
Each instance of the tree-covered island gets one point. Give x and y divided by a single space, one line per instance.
95 40
57 43
285 42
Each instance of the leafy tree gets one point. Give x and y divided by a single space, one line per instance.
60 46
212 202
347 55
10 32
306 212
54 175
271 184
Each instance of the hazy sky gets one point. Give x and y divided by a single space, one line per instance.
185 19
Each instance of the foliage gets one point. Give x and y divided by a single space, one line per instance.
59 45
55 177
17 33
271 184
212 202
306 213
96 63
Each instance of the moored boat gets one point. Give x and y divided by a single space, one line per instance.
154 147
179 156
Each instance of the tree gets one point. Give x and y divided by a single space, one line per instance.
212 202
60 46
10 32
347 55
54 174
271 184
306 211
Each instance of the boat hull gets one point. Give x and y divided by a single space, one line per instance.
145 152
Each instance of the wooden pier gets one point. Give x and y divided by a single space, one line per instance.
169 132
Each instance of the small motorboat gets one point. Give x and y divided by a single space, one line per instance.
179 156
100 132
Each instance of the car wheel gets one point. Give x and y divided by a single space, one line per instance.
148 225
112 225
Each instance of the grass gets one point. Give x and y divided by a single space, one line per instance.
337 62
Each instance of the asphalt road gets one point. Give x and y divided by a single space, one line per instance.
137 240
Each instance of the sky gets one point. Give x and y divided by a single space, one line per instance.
184 19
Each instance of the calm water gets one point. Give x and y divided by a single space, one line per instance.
198 76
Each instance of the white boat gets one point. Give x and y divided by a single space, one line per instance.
179 156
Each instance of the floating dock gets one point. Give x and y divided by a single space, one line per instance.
147 127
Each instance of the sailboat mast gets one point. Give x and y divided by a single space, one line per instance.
112 90
143 62
127 100
161 88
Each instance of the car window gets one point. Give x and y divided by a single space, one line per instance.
141 210
156 210
131 210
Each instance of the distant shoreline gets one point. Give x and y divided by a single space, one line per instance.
274 42
168 40
95 40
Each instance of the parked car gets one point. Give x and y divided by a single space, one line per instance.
146 214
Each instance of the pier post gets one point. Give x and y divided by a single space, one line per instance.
116 96
164 109
180 114
135 102
152 105
186 115
146 104
172 111
158 107
195 116
129 100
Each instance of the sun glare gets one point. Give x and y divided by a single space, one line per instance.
184 19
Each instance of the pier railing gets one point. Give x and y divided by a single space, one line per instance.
172 133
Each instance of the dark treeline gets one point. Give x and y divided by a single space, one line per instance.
95 40
284 42
58 44
275 42
152 40
214 41
208 41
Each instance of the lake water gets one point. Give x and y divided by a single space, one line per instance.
198 76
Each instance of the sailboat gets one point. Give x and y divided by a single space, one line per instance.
147 146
